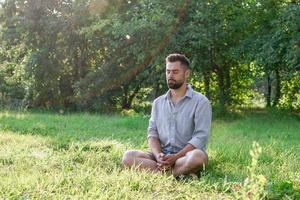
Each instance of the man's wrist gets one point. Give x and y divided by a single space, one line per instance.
177 155
183 151
156 155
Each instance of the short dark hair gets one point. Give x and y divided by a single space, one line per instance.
174 57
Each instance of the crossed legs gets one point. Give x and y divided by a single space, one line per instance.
192 162
140 160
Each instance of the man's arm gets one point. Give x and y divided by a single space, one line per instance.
155 146
202 122
183 151
160 157
153 137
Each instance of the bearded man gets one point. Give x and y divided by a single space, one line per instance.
179 126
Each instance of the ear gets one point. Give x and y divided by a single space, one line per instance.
187 73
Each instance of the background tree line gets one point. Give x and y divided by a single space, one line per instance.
101 55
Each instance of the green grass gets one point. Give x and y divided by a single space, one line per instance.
77 156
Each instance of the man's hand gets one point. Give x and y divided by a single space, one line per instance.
162 165
170 159
159 157
166 162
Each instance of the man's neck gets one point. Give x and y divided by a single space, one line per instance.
177 94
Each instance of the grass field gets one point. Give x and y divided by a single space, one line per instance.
77 156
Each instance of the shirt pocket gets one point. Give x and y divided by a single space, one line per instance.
163 124
185 125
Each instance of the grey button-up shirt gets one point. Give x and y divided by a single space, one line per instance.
187 122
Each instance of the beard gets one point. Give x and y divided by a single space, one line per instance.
172 84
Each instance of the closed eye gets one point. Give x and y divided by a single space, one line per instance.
173 71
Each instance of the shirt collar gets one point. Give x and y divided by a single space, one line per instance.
188 93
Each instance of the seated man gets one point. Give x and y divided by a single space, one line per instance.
178 128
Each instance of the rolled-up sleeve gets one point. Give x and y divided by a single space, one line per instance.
152 128
202 123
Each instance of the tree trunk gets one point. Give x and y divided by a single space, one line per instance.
277 88
128 98
269 90
133 95
227 85
221 86
207 84
157 92
125 104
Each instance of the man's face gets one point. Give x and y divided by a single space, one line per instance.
176 74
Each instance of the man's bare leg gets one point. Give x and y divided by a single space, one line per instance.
139 159
192 162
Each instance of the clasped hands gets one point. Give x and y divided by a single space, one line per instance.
165 162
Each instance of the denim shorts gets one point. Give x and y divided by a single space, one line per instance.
170 150
166 150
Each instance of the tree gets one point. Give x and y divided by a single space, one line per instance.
211 36
276 44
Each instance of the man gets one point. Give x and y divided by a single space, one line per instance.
178 128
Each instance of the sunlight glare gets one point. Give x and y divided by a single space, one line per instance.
128 37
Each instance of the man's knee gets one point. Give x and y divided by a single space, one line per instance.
129 157
197 158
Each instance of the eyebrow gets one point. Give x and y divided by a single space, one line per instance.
172 70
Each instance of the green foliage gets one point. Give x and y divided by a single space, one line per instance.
254 185
276 44
212 35
106 56
127 63
291 92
